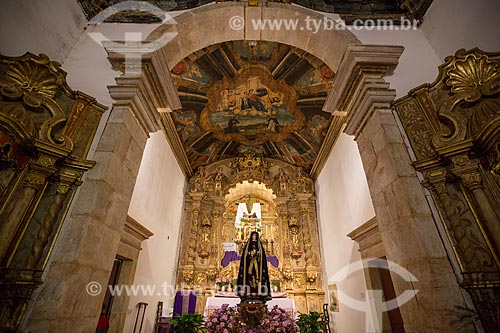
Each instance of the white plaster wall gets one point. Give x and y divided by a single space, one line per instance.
344 203
450 25
50 27
89 69
157 203
418 63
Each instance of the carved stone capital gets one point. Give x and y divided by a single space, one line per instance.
145 85
359 87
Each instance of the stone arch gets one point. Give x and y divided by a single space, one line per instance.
327 45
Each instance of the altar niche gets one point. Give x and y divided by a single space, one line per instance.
213 237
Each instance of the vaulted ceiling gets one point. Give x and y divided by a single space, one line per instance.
258 96
349 10
241 96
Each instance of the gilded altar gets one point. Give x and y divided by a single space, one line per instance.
453 126
288 226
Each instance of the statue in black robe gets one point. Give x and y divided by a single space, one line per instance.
253 276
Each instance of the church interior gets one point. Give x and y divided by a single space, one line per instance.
143 143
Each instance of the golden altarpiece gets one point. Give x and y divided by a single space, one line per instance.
289 226
453 126
46 130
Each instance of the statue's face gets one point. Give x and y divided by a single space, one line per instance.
254 236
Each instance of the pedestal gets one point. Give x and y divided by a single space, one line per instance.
251 314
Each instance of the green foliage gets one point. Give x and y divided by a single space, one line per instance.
311 323
188 323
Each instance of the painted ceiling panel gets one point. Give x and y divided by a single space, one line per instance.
349 10
244 96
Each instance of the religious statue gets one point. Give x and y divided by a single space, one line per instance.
199 180
219 178
253 277
282 182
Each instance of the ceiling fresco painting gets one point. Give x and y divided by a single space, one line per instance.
244 96
349 10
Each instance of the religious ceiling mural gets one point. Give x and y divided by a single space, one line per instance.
349 10
260 97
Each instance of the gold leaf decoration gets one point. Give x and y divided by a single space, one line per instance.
471 74
32 79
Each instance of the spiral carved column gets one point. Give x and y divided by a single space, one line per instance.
47 226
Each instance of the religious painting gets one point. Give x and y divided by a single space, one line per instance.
258 96
309 79
251 109
260 51
333 298
317 127
191 71
185 123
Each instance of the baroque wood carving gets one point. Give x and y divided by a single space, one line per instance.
453 126
45 133
289 225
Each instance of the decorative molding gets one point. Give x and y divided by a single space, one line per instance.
145 85
364 231
368 237
359 87
357 91
176 144
137 230
148 90
334 131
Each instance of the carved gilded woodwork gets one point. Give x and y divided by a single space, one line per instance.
45 133
289 215
453 126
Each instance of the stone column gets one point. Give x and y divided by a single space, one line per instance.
88 242
404 218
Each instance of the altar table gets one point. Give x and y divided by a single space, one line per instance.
216 302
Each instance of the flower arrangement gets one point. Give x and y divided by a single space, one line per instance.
221 320
276 283
224 320
222 282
